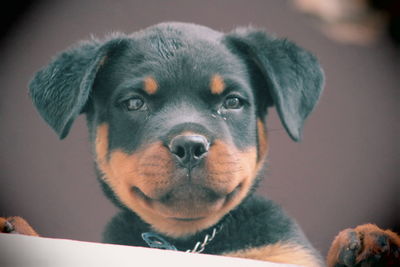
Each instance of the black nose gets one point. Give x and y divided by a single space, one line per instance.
189 149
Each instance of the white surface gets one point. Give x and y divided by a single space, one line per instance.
20 250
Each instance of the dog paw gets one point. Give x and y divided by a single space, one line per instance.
365 245
16 225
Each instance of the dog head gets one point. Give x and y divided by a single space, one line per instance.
176 114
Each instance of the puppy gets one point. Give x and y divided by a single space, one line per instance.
177 121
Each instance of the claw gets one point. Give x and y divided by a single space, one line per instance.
8 227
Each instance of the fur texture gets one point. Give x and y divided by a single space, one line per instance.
177 115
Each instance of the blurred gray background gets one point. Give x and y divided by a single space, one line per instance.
344 173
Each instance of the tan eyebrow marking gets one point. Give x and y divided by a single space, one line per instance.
217 84
150 85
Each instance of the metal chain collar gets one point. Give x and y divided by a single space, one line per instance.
200 246
156 241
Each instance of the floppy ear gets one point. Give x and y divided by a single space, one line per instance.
61 90
292 75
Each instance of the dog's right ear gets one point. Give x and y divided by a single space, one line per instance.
291 75
61 90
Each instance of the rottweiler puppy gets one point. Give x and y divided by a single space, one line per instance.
177 121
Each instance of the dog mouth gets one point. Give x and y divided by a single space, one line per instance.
187 219
186 203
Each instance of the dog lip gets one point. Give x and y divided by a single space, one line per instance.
136 190
187 219
143 196
235 191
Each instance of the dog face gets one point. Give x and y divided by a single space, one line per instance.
176 114
176 134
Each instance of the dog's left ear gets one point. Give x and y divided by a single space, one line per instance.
292 75
61 90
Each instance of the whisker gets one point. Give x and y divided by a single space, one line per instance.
150 165
154 157
154 174
226 172
226 162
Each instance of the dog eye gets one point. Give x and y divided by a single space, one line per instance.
233 103
133 104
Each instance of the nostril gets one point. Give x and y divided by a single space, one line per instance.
189 149
180 152
199 150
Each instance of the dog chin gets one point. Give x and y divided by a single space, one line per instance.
186 203
185 210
